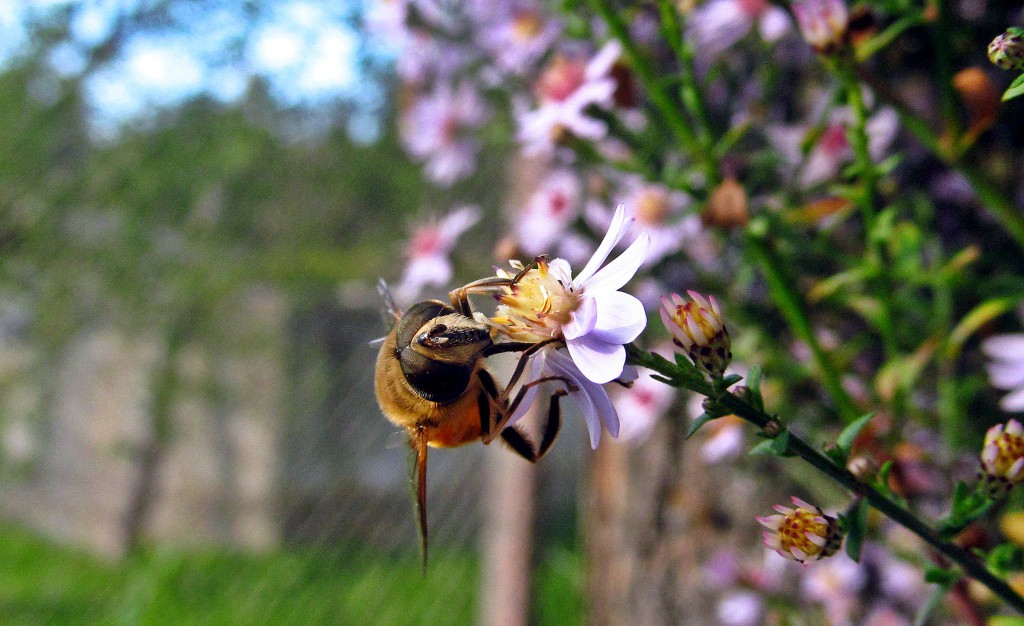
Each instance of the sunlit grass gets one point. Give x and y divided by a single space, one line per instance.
42 583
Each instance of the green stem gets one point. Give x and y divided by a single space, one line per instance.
678 125
988 192
868 174
971 565
792 308
689 90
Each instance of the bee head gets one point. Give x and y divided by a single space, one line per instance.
439 349
452 338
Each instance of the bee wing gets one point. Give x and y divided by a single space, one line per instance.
418 483
390 306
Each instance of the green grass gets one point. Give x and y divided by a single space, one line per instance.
42 583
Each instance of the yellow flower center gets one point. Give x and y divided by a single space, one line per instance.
794 528
1011 448
651 206
539 304
526 25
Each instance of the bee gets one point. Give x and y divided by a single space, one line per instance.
431 380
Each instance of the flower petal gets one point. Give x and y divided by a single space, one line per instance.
611 238
582 321
590 397
620 317
1013 402
1005 375
598 360
619 271
1008 347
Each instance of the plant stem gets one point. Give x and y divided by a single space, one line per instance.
868 175
672 114
791 306
968 562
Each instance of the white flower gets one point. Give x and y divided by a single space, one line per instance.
590 397
589 312
1006 370
740 608
565 89
515 34
427 250
548 212
832 149
717 25
437 128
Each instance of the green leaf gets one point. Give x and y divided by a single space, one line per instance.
1005 620
754 379
846 438
856 524
940 576
975 319
701 419
933 601
1005 558
780 444
763 448
1016 89
728 381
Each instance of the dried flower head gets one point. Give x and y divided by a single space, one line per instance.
1007 49
803 533
698 329
1002 458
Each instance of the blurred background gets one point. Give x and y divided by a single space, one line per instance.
197 198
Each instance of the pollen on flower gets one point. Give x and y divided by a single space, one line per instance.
537 306
697 328
803 533
1002 458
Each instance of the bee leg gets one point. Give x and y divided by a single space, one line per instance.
507 410
523 446
486 286
484 400
521 365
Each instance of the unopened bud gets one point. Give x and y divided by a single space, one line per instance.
1007 49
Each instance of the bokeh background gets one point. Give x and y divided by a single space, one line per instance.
197 198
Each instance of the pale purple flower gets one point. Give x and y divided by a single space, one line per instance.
823 23
740 608
516 34
1006 369
836 584
427 252
437 129
551 208
565 88
717 25
589 312
659 213
591 398
832 149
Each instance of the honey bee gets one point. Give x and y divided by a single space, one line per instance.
431 380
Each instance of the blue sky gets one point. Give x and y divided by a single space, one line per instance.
305 49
